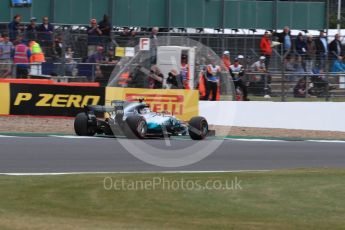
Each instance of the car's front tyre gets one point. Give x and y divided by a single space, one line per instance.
198 128
135 127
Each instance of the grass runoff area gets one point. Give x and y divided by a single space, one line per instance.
296 199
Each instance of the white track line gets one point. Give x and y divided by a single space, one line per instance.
269 140
255 140
149 172
327 141
74 137
5 136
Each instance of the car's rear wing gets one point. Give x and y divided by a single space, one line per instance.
100 108
116 105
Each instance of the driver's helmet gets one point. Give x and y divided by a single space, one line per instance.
144 110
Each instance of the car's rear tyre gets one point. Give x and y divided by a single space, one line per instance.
81 126
198 128
135 127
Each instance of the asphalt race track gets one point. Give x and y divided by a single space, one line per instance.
61 154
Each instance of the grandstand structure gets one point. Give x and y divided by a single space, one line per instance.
244 14
231 25
226 19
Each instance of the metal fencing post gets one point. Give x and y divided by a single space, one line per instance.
223 24
283 56
93 73
266 91
63 51
223 42
306 86
14 70
245 53
327 79
283 81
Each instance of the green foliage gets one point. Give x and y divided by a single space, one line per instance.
333 21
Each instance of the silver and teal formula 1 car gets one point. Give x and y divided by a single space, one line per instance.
136 120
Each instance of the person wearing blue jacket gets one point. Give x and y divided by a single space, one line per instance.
338 65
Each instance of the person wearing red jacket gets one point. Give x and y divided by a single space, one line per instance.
266 47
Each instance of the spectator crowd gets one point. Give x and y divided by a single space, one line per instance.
306 56
28 46
36 43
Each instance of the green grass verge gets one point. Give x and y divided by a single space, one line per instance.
302 199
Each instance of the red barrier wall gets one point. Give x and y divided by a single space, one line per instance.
47 82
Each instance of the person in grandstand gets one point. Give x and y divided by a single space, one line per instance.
212 80
15 27
71 65
260 82
185 71
97 58
153 45
36 59
338 65
322 51
155 78
300 90
301 46
6 49
311 54
110 57
21 59
31 33
319 85
110 60
57 48
260 65
294 67
226 60
125 32
237 72
241 60
285 39
336 48
93 37
45 36
174 80
266 47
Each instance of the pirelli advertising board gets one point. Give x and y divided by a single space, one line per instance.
57 100
184 104
4 98
52 100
